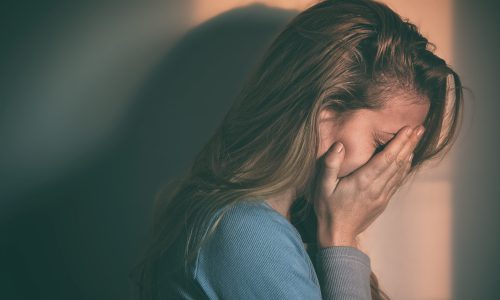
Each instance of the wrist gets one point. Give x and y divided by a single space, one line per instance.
327 238
336 242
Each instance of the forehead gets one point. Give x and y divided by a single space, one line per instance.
397 114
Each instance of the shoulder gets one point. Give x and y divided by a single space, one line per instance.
248 229
246 218
253 243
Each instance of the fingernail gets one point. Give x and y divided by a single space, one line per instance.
409 131
339 147
410 157
420 131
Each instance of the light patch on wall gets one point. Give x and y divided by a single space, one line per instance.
206 9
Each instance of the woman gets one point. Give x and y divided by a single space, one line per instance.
347 102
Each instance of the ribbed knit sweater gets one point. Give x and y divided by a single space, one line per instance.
256 253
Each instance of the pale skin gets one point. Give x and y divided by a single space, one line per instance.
357 182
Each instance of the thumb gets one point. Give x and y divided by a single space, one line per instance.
331 166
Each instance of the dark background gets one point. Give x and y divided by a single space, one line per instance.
102 101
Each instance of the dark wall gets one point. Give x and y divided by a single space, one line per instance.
477 180
87 142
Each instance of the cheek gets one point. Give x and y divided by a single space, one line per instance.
357 153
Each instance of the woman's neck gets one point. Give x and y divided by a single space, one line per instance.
282 202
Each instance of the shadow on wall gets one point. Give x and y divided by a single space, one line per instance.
81 235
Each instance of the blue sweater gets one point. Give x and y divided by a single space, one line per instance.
256 253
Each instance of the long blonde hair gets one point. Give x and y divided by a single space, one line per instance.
341 55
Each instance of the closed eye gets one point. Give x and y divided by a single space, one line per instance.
379 147
378 143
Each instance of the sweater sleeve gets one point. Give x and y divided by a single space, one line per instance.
343 273
254 255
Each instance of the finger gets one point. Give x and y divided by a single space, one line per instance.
403 155
397 180
384 159
410 146
332 162
394 187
